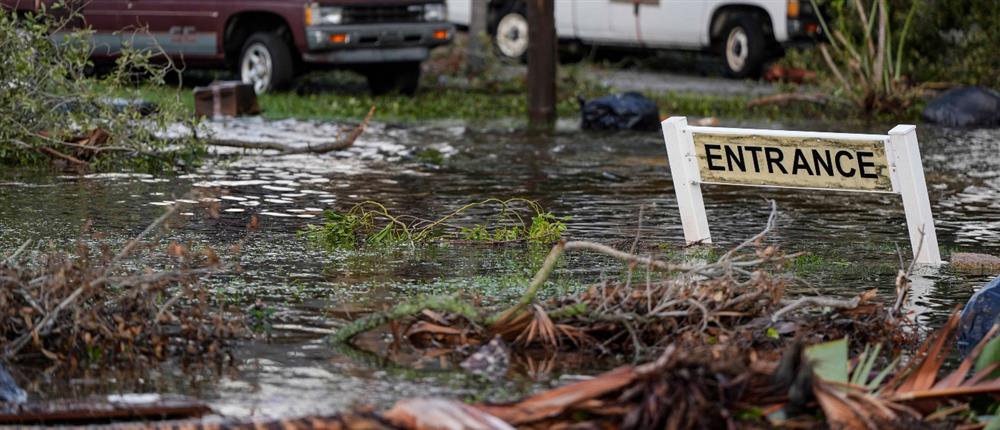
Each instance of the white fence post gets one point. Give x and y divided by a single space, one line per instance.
687 179
909 173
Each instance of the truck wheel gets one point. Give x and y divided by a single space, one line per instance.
266 62
389 77
510 32
743 46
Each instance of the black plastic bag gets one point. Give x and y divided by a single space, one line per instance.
965 107
628 111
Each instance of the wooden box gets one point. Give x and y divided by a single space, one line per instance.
225 99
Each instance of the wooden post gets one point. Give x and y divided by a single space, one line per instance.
687 179
475 57
909 172
541 63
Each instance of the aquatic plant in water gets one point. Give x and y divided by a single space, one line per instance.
370 223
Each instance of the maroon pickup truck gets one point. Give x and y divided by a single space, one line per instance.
269 42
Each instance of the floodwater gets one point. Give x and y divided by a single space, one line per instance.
603 180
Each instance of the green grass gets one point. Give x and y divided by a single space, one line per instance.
506 101
434 103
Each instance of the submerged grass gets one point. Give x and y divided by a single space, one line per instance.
370 223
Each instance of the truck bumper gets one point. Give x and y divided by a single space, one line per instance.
369 55
802 32
374 43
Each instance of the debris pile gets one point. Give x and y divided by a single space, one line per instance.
88 307
738 299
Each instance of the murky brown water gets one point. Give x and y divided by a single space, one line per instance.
602 180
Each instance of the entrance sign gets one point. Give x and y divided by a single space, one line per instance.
872 163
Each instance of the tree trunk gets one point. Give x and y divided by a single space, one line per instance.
541 63
476 54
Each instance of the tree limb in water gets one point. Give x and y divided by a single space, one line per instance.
320 148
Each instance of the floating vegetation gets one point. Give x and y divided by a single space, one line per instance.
370 223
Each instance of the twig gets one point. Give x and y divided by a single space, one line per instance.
621 255
758 236
57 154
17 253
829 302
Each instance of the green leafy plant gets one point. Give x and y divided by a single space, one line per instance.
546 228
52 107
370 223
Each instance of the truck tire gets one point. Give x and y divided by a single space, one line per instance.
266 62
510 31
743 46
393 77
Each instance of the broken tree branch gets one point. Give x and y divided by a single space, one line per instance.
320 148
829 302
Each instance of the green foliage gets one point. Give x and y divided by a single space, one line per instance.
370 223
949 41
546 228
48 100
955 41
829 360
864 53
430 156
339 231
989 356
260 318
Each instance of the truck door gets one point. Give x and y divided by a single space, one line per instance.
672 23
182 28
609 21
101 16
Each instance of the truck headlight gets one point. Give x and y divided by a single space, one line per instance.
435 12
317 14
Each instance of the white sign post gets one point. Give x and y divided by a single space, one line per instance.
872 163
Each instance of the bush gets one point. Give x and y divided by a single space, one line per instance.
954 41
52 108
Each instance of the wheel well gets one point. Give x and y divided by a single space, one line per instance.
722 14
242 25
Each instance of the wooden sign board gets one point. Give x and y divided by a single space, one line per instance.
790 159
793 162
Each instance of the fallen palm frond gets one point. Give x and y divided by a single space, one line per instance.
88 307
724 386
371 223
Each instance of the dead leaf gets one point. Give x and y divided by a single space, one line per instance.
554 402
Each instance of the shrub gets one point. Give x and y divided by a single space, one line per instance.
53 108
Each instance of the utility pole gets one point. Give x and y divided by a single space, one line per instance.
475 55
541 63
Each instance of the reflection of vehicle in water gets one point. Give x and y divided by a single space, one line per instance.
745 33
269 42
